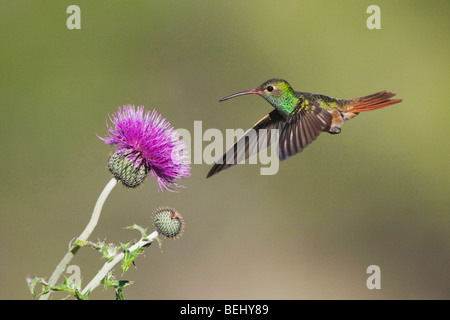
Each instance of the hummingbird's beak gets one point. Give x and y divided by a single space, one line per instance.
253 91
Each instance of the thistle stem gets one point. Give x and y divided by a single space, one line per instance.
83 237
97 210
95 282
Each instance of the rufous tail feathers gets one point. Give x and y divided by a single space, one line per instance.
374 101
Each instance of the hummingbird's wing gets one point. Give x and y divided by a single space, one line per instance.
301 129
251 142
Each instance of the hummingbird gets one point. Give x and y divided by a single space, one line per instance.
300 118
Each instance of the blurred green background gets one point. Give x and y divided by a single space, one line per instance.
378 193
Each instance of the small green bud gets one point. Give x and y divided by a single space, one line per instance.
168 222
127 171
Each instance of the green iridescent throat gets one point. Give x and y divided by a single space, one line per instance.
285 101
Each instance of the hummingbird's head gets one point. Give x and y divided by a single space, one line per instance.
277 92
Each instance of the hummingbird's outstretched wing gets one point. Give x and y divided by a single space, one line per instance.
301 129
251 142
295 134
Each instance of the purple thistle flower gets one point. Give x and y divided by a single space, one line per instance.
146 143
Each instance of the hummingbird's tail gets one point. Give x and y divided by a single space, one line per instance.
374 101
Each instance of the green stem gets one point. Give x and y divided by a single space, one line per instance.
83 237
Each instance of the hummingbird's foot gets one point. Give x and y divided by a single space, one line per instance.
335 130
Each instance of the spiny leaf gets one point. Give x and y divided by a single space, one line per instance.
119 285
129 257
32 283
67 286
142 230
109 252
81 296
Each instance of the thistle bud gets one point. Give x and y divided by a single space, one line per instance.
168 222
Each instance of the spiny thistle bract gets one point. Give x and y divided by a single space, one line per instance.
168 222
145 143
125 171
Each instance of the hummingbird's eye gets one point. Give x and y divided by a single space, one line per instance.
270 88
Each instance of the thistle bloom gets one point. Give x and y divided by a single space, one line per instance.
145 142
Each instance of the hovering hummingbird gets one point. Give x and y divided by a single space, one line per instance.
300 117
